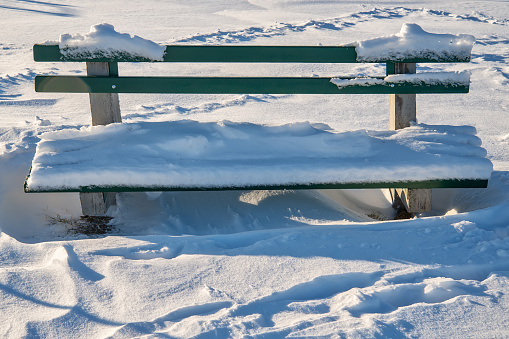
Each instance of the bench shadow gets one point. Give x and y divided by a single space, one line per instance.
226 212
45 3
76 310
42 7
208 223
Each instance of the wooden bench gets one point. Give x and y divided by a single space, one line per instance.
103 84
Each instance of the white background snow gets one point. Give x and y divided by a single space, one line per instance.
260 263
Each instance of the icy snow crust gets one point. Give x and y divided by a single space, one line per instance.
104 41
429 78
412 42
226 154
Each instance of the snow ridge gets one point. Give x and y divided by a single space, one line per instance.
338 23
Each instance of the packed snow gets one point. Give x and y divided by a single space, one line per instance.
191 154
258 264
412 42
446 78
427 78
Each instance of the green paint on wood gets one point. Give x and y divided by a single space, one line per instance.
229 53
375 185
390 68
227 85
113 67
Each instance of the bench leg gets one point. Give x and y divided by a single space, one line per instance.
105 109
412 200
93 204
402 113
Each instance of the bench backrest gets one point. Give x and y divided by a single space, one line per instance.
113 83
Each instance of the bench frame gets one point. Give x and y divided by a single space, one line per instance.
103 85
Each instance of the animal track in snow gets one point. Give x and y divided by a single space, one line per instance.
167 108
339 23
162 323
387 299
7 80
322 287
147 252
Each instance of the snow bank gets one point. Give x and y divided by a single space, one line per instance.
413 42
193 154
103 40
428 78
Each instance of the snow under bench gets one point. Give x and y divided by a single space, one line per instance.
191 155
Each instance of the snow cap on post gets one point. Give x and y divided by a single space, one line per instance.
104 41
412 42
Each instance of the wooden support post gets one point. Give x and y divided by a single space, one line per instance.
414 200
402 113
402 110
105 109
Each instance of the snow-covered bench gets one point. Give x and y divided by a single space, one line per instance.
187 155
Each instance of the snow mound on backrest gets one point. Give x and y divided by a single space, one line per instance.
413 42
104 41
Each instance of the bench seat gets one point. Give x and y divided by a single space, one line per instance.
191 155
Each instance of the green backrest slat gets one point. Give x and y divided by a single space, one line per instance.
210 53
47 53
228 85
275 54
245 54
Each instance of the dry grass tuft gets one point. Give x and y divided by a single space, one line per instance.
87 224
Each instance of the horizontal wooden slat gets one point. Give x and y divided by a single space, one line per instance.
222 85
269 54
376 185
235 53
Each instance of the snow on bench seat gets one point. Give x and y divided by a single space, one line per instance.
206 155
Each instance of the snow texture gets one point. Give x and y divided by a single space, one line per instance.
226 154
412 42
104 41
432 78
256 264
359 81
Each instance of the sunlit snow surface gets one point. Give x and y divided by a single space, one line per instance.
191 154
254 263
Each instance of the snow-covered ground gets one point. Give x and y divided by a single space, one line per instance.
254 263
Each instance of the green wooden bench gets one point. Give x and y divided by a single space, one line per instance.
103 83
